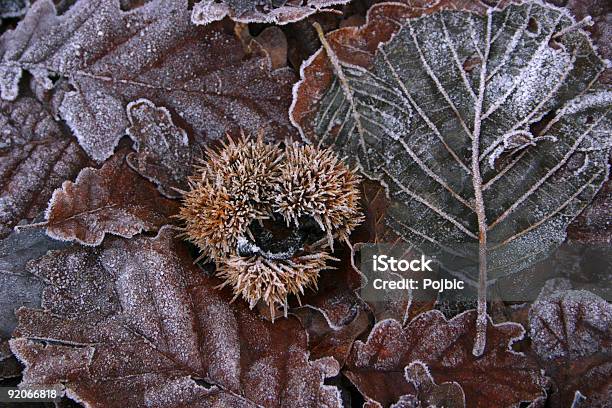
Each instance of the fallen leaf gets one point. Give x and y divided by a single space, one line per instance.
445 116
13 8
9 366
323 340
135 323
112 199
164 153
499 378
266 11
111 57
18 287
593 224
571 333
430 394
36 156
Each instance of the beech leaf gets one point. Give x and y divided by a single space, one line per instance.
571 331
487 130
499 378
164 153
265 11
111 57
112 199
36 156
135 323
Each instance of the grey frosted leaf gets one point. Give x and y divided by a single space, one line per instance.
111 57
263 11
486 129
13 8
18 287
164 153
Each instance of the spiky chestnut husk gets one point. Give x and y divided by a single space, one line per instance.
247 181
230 189
315 182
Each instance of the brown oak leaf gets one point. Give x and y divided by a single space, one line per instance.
111 57
36 156
112 199
571 333
136 323
164 153
266 11
501 377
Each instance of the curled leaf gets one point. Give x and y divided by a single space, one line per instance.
164 153
266 11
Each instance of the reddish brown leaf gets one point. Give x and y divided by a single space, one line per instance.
164 153
266 11
571 333
36 156
112 199
111 57
323 341
135 323
499 378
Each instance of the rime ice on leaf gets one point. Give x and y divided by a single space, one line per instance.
111 57
571 333
427 111
164 153
499 378
13 8
135 323
266 11
35 158
112 199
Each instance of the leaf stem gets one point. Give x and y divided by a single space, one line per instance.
481 321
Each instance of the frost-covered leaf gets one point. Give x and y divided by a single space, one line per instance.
164 153
112 199
323 340
430 394
259 11
428 111
18 287
13 8
594 224
111 57
9 366
499 378
571 333
135 323
36 156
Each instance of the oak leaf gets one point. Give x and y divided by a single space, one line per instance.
500 378
110 57
135 323
36 156
112 199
